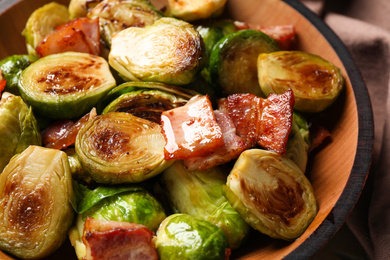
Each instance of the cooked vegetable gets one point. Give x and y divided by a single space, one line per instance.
199 194
76 170
120 148
42 22
169 51
181 236
18 128
116 15
316 82
80 8
191 10
147 104
36 198
12 68
271 194
233 61
66 85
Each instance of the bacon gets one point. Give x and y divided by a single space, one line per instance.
118 240
263 122
79 35
3 82
232 148
191 130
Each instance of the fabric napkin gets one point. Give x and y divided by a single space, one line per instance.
364 27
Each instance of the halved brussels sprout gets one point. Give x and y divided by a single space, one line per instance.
233 61
80 8
199 194
42 22
169 51
316 83
66 85
181 236
146 104
298 143
36 198
272 194
116 15
18 128
191 10
121 148
12 68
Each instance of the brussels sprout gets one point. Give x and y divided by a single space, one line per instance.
76 169
169 51
36 198
181 236
42 22
271 193
147 104
316 83
191 10
116 15
12 67
233 61
18 128
121 148
80 8
66 85
199 194
298 142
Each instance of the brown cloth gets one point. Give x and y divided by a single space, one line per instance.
364 27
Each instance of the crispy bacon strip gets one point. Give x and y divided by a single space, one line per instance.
263 122
191 130
118 240
232 148
80 35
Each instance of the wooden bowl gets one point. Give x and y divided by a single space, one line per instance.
337 170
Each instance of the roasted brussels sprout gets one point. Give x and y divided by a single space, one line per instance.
233 61
169 51
80 8
43 21
316 82
272 194
199 194
12 68
116 15
191 10
36 198
121 148
298 143
147 104
181 236
18 128
66 85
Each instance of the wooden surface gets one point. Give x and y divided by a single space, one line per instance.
330 168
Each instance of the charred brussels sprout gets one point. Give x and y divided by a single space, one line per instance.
121 148
272 194
169 51
233 61
114 16
42 22
316 82
181 236
12 68
36 198
18 128
199 194
80 8
146 104
191 10
66 85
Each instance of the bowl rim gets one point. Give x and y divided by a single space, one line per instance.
365 143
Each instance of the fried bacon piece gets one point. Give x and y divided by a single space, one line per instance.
118 240
232 148
79 35
263 122
191 130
